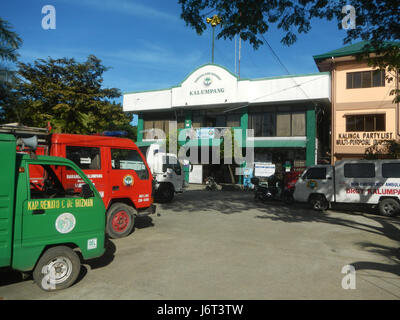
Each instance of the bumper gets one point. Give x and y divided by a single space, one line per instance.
146 211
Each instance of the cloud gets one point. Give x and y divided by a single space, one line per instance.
128 8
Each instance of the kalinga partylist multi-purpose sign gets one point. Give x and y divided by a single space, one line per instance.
361 139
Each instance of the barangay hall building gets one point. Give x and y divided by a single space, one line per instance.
297 120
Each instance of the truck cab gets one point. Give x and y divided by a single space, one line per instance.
167 171
119 172
316 186
115 165
44 219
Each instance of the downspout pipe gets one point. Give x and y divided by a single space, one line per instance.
398 106
333 118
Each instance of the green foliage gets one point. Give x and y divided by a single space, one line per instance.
9 42
386 149
69 95
376 21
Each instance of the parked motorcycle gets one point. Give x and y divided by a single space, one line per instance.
211 184
274 189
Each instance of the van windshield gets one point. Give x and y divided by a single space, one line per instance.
125 159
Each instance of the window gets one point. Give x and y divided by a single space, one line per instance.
53 182
233 120
298 124
365 79
366 123
391 170
315 173
123 159
277 124
172 163
359 170
86 158
283 125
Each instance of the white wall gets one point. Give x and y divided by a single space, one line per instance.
212 84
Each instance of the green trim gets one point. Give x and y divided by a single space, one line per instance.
289 76
311 135
144 143
280 143
205 65
140 126
145 91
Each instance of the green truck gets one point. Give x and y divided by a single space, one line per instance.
47 222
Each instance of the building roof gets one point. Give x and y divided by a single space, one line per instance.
351 50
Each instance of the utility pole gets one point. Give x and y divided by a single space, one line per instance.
214 21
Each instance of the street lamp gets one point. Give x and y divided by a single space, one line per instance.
214 21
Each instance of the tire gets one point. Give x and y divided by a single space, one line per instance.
120 220
389 207
319 203
165 193
57 269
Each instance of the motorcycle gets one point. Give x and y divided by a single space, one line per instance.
274 189
211 184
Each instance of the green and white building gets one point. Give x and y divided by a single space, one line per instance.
290 115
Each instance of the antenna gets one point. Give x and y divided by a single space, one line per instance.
240 49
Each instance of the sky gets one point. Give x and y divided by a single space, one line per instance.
147 45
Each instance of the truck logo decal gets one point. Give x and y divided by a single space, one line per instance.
312 184
65 223
128 180
60 204
92 244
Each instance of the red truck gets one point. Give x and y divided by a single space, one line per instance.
115 165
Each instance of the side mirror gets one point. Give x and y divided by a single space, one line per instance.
191 167
87 192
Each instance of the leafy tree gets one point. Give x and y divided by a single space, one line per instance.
386 149
9 42
69 95
376 22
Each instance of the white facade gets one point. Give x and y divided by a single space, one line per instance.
214 85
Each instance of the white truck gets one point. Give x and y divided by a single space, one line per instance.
371 182
167 172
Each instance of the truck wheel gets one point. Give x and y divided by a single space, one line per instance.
165 193
57 269
120 220
389 207
319 203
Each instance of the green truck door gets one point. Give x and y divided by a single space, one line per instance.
55 212
7 189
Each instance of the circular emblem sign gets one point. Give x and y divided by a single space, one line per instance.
312 184
128 180
207 81
65 223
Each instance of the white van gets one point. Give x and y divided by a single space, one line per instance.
374 182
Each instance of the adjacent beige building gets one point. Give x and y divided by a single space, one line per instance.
363 111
